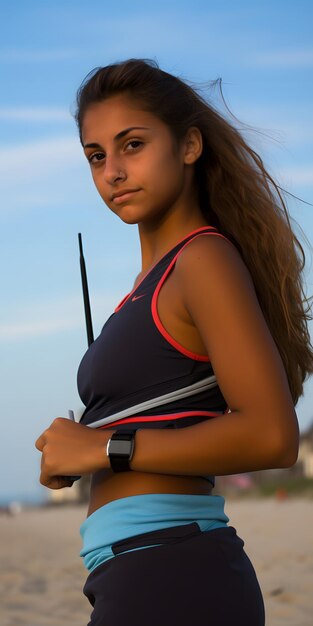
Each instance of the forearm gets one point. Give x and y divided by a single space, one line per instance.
229 444
220 446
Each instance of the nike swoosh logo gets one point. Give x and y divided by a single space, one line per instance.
137 297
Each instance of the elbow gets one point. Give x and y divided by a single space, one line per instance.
287 448
289 457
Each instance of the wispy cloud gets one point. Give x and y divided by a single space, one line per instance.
26 55
33 159
52 317
35 114
28 170
272 124
302 175
27 330
283 58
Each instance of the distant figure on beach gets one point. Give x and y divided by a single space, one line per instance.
199 368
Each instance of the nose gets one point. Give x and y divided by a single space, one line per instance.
114 171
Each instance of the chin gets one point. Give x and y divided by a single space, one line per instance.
129 216
129 220
123 215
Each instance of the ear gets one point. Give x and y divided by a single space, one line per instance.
193 145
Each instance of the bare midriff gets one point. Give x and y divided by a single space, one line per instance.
107 485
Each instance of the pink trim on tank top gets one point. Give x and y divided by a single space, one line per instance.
164 417
156 319
198 230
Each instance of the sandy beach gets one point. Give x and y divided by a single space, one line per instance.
42 575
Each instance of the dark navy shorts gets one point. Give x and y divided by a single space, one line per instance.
193 578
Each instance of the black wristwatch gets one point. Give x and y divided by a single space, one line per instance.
120 449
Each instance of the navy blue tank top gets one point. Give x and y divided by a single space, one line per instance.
135 360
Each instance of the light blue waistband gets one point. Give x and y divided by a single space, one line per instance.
134 515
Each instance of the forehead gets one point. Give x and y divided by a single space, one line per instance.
115 114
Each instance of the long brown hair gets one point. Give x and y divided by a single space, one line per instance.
236 194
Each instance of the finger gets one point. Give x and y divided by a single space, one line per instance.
55 482
60 482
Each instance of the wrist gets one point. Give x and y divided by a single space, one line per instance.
103 461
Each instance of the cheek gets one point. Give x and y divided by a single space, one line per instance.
98 182
170 180
166 172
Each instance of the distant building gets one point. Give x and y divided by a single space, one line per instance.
305 457
79 492
68 494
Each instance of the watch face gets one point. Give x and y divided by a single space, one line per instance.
122 448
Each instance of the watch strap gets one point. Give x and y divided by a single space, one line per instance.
120 461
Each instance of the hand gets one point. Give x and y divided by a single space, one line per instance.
70 449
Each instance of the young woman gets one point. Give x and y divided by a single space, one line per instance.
197 371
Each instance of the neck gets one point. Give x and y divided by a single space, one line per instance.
157 239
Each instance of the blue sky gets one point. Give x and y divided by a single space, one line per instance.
264 54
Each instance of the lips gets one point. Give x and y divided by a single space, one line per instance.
124 195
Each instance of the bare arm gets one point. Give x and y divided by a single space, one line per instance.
261 431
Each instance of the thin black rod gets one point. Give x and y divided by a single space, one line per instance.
83 273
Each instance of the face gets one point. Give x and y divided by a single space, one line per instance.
132 152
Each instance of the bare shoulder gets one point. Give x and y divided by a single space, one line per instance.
218 292
214 262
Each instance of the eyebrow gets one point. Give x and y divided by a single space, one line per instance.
118 136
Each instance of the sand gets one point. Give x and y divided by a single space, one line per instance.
41 574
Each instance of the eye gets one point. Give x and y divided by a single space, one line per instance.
96 157
134 143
